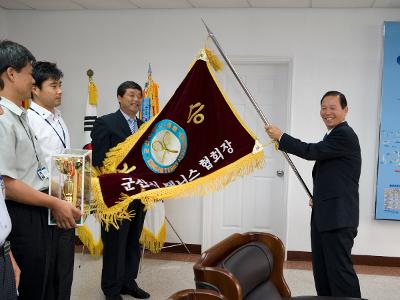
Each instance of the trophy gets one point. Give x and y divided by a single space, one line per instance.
70 176
70 168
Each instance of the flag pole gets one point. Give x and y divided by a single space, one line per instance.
256 106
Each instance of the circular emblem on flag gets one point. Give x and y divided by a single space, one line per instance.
165 147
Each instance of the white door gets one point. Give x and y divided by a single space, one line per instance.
256 202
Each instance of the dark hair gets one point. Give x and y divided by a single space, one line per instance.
44 70
13 55
128 85
343 101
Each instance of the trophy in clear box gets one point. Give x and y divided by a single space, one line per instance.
70 175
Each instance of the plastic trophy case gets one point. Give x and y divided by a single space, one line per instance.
70 174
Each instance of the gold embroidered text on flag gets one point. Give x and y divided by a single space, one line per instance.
195 145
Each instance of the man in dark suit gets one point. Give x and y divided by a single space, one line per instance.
121 253
335 203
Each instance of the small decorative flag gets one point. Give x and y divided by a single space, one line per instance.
154 228
26 103
90 232
150 105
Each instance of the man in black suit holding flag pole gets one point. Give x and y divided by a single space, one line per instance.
335 203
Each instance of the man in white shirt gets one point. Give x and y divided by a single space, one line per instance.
25 178
52 134
9 270
44 117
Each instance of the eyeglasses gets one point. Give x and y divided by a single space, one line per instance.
137 97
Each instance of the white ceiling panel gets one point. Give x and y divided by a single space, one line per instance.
13 4
51 4
342 3
220 3
281 3
387 3
106 4
162 3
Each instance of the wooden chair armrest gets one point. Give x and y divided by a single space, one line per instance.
220 279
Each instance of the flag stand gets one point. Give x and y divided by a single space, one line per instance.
180 239
165 247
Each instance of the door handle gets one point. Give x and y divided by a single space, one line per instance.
280 173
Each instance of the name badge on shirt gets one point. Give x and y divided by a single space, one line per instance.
43 173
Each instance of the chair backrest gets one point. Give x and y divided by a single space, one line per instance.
252 265
198 294
244 265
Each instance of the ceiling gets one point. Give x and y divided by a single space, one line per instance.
161 4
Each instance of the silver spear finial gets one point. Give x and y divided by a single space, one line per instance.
208 29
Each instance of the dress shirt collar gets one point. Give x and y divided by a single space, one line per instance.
127 117
43 112
14 108
330 130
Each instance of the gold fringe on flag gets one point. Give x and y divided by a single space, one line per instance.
215 62
109 215
151 242
212 58
202 186
86 237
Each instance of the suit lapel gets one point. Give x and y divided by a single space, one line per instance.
139 122
123 123
316 165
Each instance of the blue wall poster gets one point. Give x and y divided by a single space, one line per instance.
388 179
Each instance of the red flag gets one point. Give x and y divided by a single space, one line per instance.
195 145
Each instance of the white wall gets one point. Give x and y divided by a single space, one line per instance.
3 24
331 49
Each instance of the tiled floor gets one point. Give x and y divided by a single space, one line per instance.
166 273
